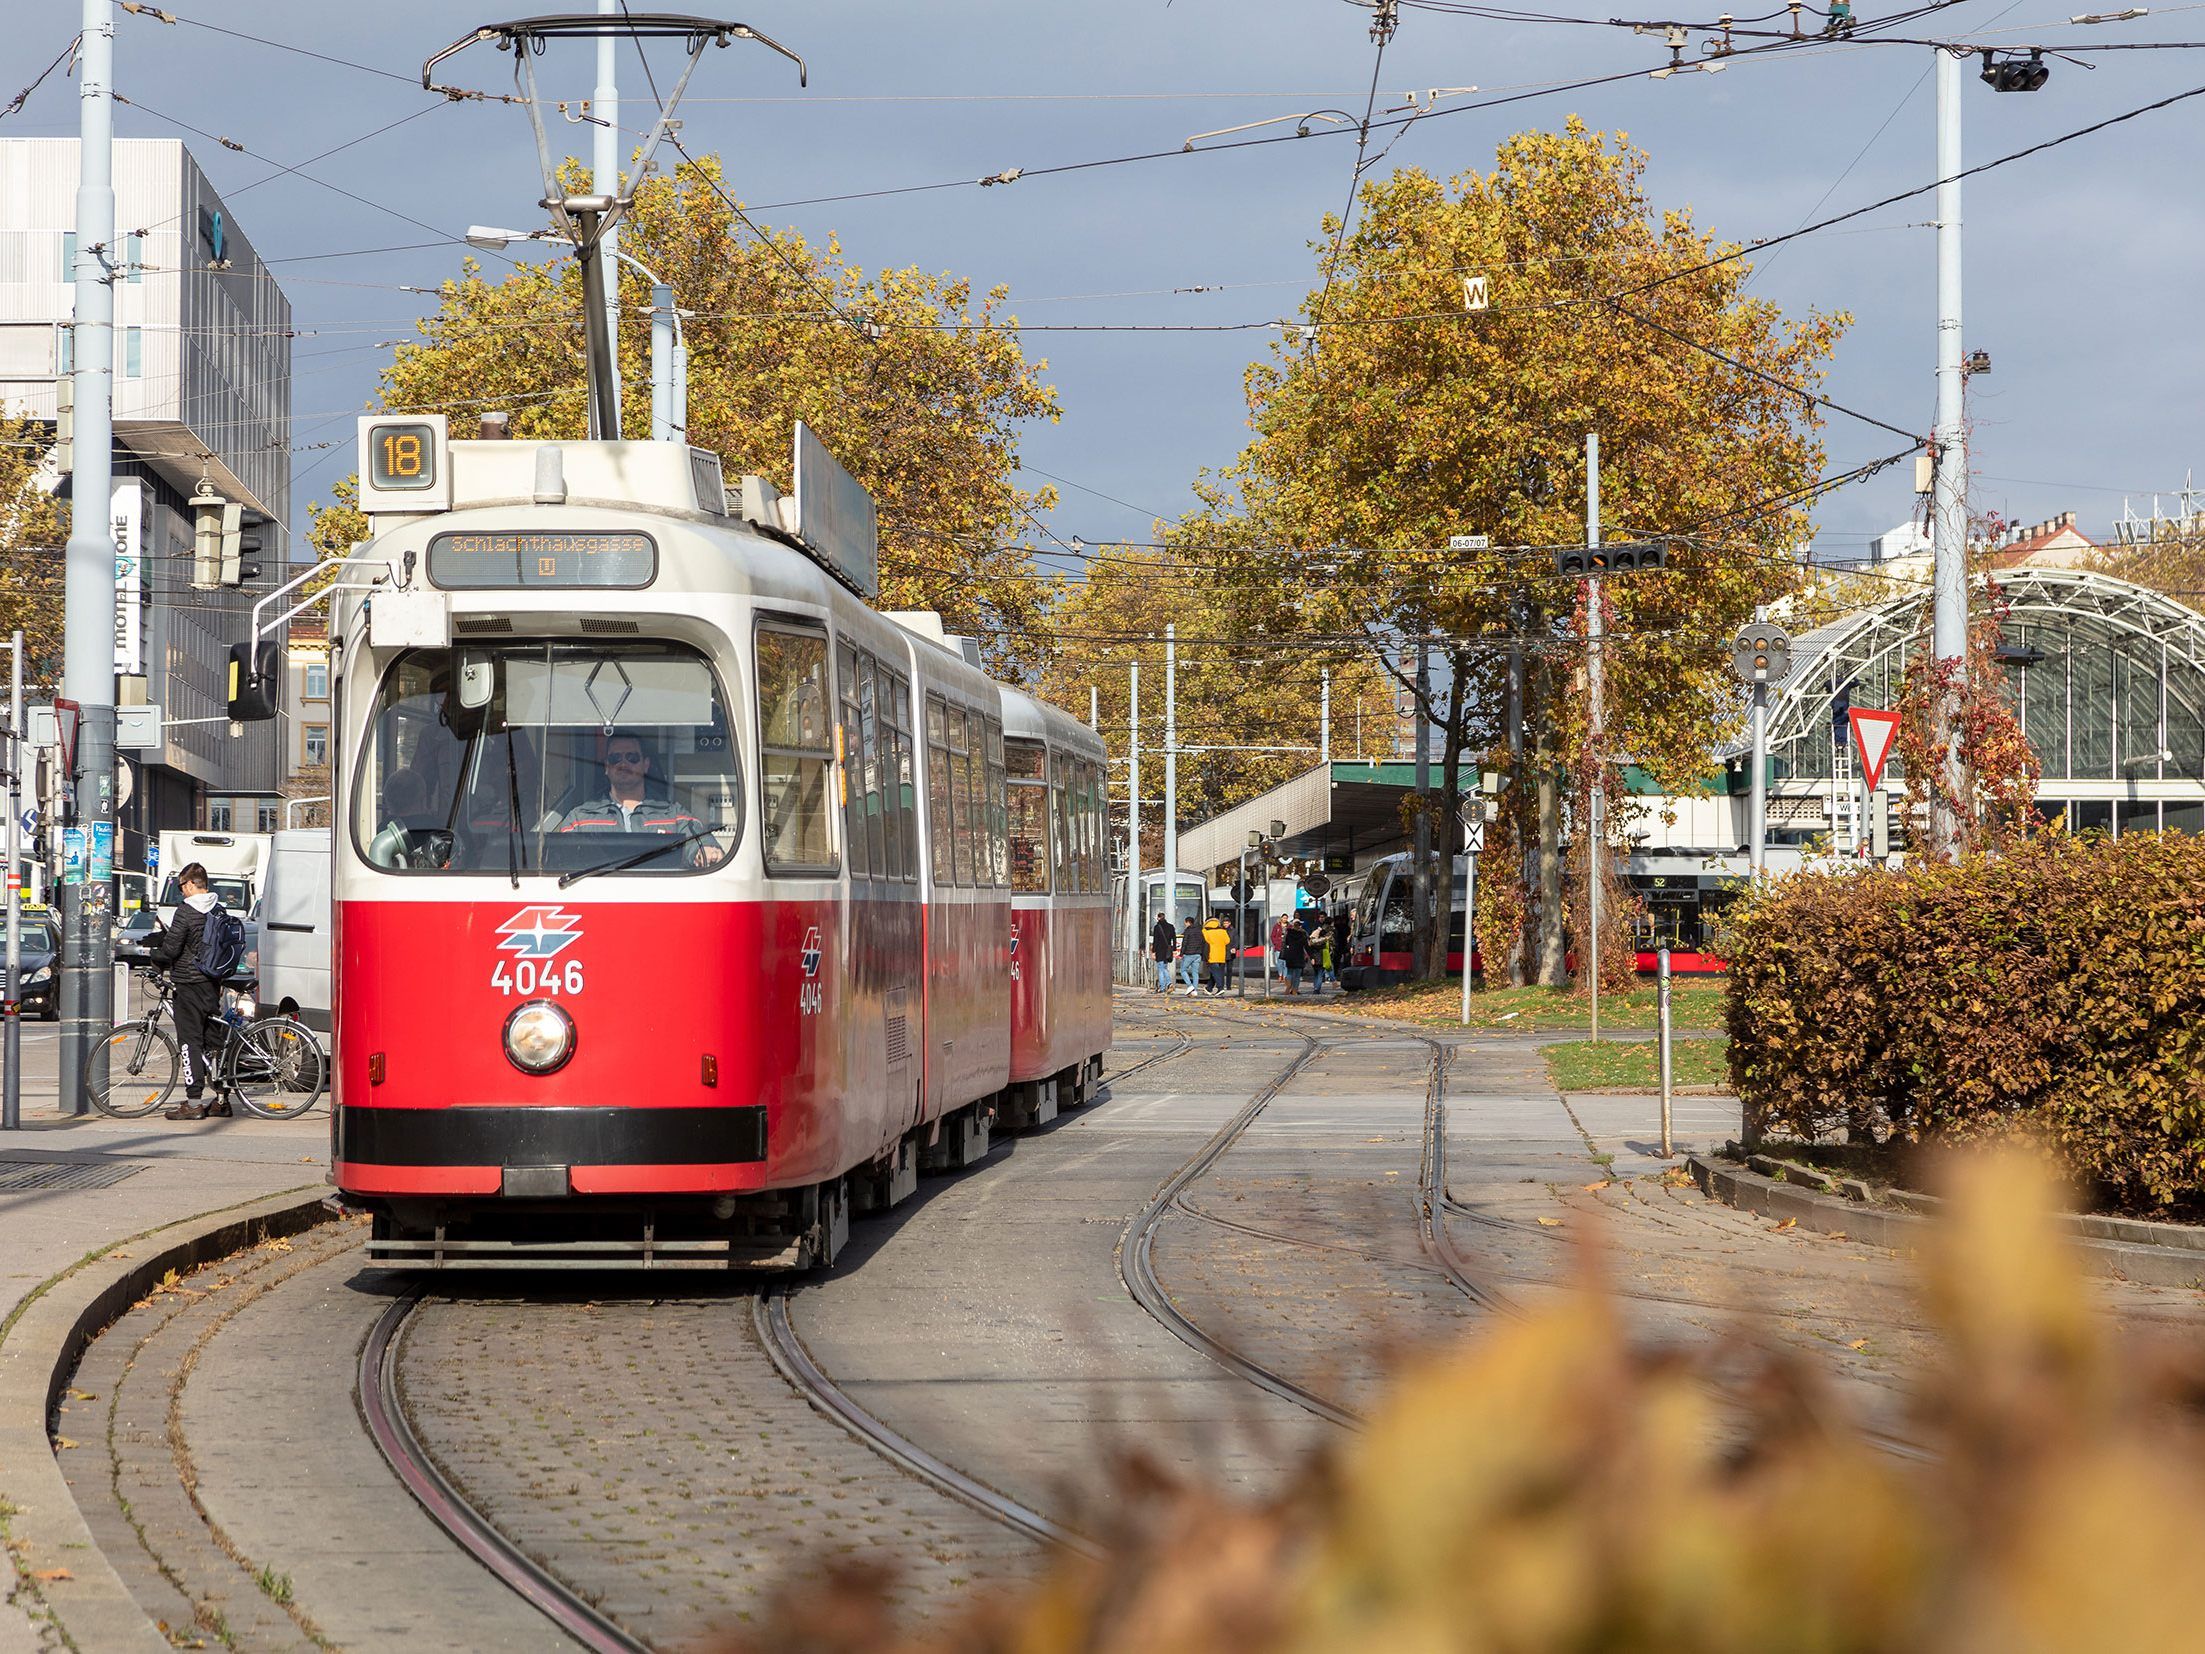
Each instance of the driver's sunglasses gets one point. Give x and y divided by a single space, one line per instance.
627 760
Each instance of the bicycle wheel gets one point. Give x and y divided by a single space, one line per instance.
276 1069
131 1072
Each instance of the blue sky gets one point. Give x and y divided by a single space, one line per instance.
2080 262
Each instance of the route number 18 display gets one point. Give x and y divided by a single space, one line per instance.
403 456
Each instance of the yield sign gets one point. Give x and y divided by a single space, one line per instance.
1873 733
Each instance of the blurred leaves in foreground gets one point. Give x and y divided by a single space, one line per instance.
1545 1486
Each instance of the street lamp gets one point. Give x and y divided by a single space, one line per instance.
669 349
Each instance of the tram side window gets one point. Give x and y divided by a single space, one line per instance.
848 750
897 792
1097 880
869 730
1026 763
999 819
796 751
937 790
960 795
1060 822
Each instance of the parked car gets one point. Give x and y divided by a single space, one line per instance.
41 953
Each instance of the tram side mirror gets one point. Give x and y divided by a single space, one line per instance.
253 682
478 678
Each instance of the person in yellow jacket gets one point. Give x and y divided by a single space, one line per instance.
1217 942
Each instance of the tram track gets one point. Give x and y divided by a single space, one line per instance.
382 1410
775 1330
1137 1262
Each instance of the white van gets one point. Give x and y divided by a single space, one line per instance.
294 967
235 864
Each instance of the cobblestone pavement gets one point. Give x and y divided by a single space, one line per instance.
987 1320
219 1461
646 1450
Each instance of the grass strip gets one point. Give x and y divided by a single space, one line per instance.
1635 1065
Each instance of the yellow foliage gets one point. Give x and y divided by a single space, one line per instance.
915 386
1544 1486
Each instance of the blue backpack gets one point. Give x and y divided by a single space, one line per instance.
221 945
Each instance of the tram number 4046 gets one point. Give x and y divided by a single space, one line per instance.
528 977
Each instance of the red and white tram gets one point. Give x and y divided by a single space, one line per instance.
684 902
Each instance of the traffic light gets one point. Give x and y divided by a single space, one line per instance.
226 546
1616 557
1762 654
2013 73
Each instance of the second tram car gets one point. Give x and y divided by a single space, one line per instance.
683 902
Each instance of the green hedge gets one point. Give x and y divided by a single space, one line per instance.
2059 988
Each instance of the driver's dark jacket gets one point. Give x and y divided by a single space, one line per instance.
649 815
178 947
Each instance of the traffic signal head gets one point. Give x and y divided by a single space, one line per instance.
1616 557
2016 74
1762 654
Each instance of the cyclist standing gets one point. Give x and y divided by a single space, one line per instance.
197 995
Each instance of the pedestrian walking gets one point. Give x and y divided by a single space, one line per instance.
1190 955
1163 941
1217 946
1320 949
1294 952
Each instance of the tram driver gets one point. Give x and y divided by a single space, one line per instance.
631 804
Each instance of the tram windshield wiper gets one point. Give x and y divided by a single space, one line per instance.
658 847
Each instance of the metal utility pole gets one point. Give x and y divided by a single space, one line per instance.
1171 772
1423 896
605 181
1133 820
88 658
664 322
11 1084
1596 848
1949 507
1324 721
1094 708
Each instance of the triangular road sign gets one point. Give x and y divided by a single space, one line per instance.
1873 733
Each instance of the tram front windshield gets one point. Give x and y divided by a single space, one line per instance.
549 758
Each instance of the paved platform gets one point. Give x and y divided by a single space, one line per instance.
72 1187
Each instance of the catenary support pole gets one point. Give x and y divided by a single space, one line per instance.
1596 844
1949 506
1423 842
11 1085
1094 708
605 180
602 372
662 363
1133 821
1668 1069
1469 902
1171 772
88 652
1324 720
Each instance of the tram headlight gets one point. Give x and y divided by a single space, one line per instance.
539 1037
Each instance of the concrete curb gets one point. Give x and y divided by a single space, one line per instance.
93 1609
2148 1265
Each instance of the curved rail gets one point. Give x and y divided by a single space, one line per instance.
770 1316
1137 1264
385 1417
1433 1200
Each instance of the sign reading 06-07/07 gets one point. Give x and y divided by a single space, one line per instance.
499 559
404 464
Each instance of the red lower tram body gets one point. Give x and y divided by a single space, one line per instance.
741 1073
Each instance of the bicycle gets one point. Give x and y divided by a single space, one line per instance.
273 1068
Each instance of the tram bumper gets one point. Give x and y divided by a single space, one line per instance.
539 1153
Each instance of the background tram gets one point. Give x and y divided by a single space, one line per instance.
680 901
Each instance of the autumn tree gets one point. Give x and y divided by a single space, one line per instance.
1398 418
913 379
1250 695
34 529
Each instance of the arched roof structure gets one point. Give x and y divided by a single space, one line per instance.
2108 679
